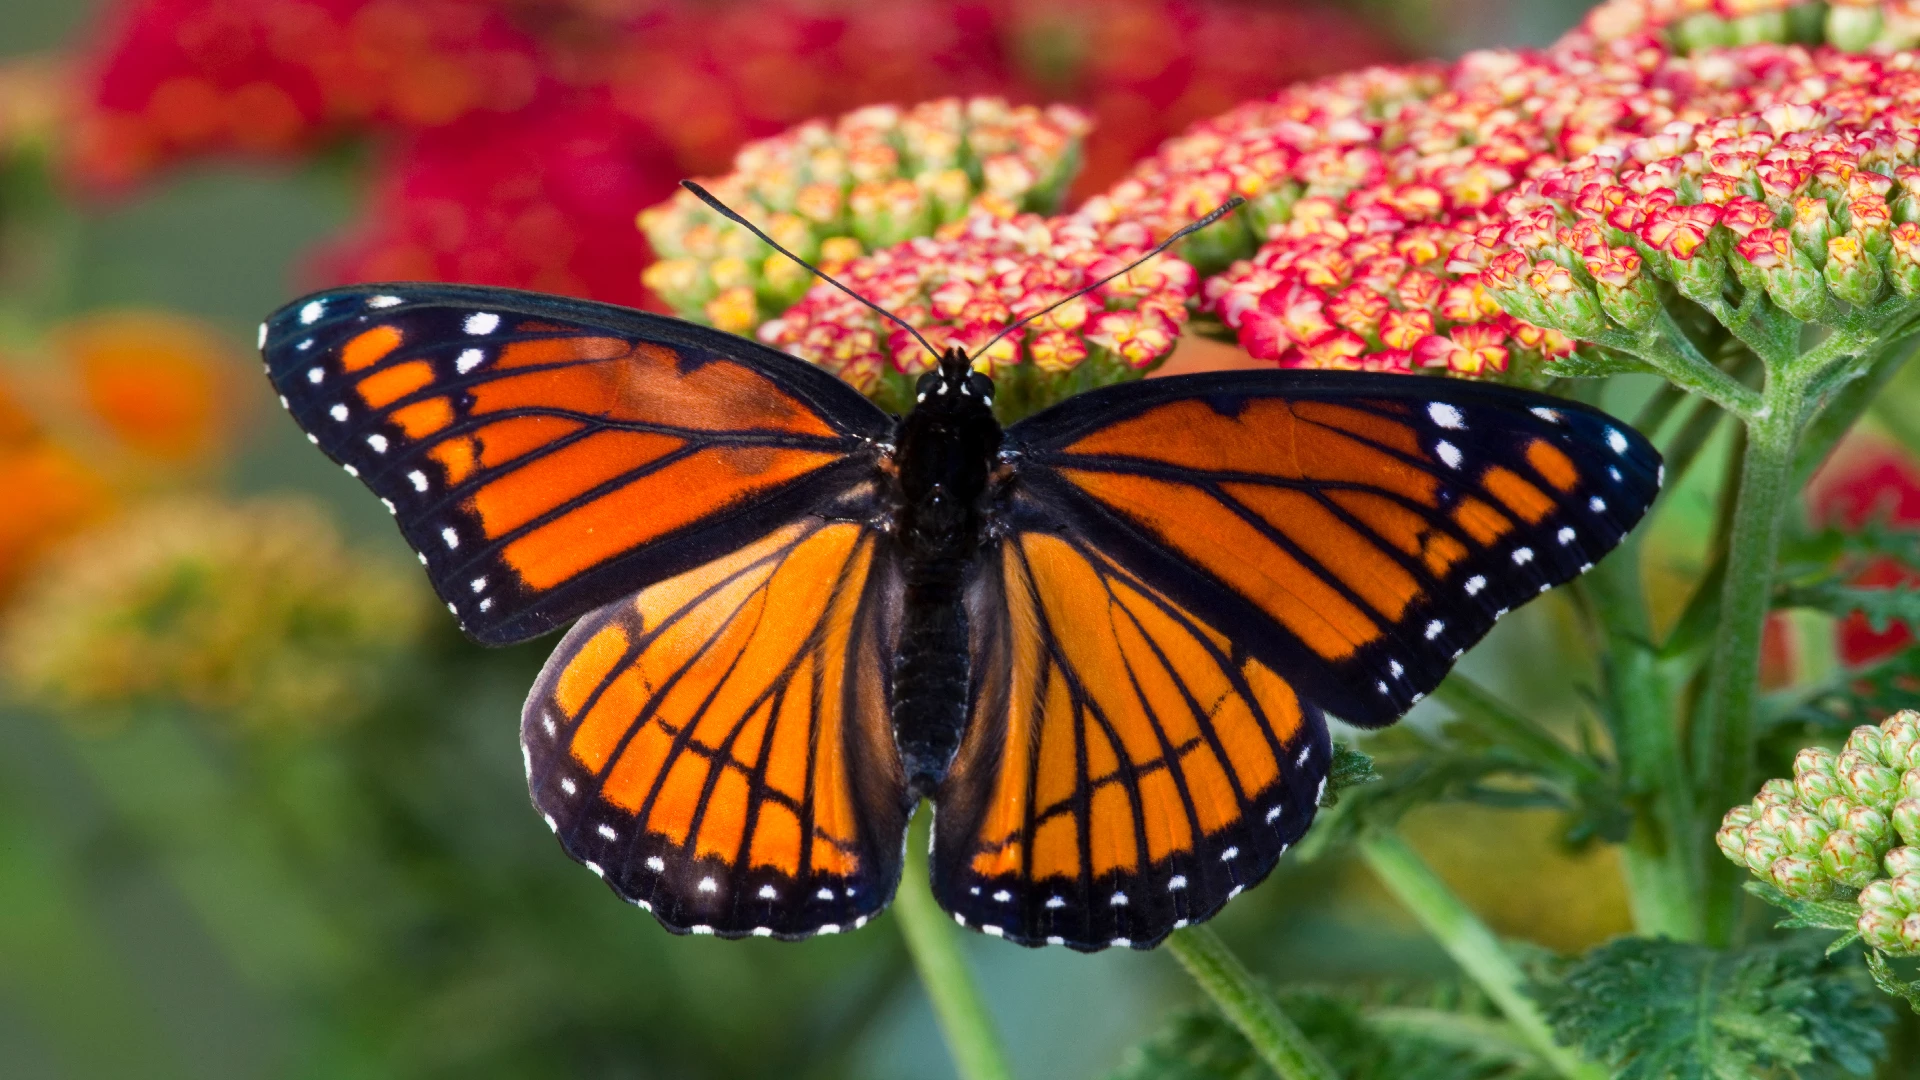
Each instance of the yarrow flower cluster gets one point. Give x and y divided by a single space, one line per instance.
976 278
878 176
1846 826
1396 247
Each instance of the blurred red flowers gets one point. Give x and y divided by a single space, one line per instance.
1870 481
520 136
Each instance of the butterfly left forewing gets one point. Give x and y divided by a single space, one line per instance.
717 747
543 455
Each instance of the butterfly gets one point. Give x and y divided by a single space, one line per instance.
1103 641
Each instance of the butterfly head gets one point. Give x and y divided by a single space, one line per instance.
954 385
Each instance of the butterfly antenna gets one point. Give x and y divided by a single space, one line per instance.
1219 212
706 196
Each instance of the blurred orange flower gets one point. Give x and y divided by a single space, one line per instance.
50 492
153 380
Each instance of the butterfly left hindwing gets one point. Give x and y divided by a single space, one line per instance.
717 747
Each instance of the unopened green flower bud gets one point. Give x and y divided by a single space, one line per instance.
1732 836
1879 928
1814 780
1805 832
1834 811
1909 936
1879 895
1847 857
1868 740
1852 273
1905 891
1902 736
1775 792
1906 819
1902 860
1870 825
1871 784
1763 847
1771 258
1800 877
1812 226
1910 783
1564 303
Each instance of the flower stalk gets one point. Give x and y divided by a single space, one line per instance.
1248 1006
1471 944
935 946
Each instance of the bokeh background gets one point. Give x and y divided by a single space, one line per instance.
261 811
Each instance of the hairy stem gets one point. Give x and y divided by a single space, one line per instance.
935 946
1724 729
1470 943
1248 1006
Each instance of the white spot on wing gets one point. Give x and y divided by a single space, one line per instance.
312 312
1301 761
1176 883
707 884
316 375
1119 899
763 931
1522 556
1544 413
1394 667
1056 941
1434 629
598 870
655 864
338 412
1003 896
452 538
1597 504
1446 416
1056 903
992 931
1617 441
482 322
419 480
825 894
378 442
607 832
1120 943
1449 453
1565 535
263 336
1236 891
479 584
569 786
1273 815
382 301
1475 584
1230 854
767 893
701 930
468 360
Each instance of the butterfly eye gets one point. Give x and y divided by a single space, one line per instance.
926 385
980 385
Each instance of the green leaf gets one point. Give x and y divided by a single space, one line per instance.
1350 768
1842 915
1863 696
1807 557
1592 363
1666 1010
1885 979
1881 606
1362 1043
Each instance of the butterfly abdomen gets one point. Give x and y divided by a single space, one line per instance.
946 447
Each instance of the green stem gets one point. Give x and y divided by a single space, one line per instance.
1665 347
1250 1008
1663 852
1469 942
935 946
1724 730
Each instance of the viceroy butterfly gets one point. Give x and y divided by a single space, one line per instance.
1102 641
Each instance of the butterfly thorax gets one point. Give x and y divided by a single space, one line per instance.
945 452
